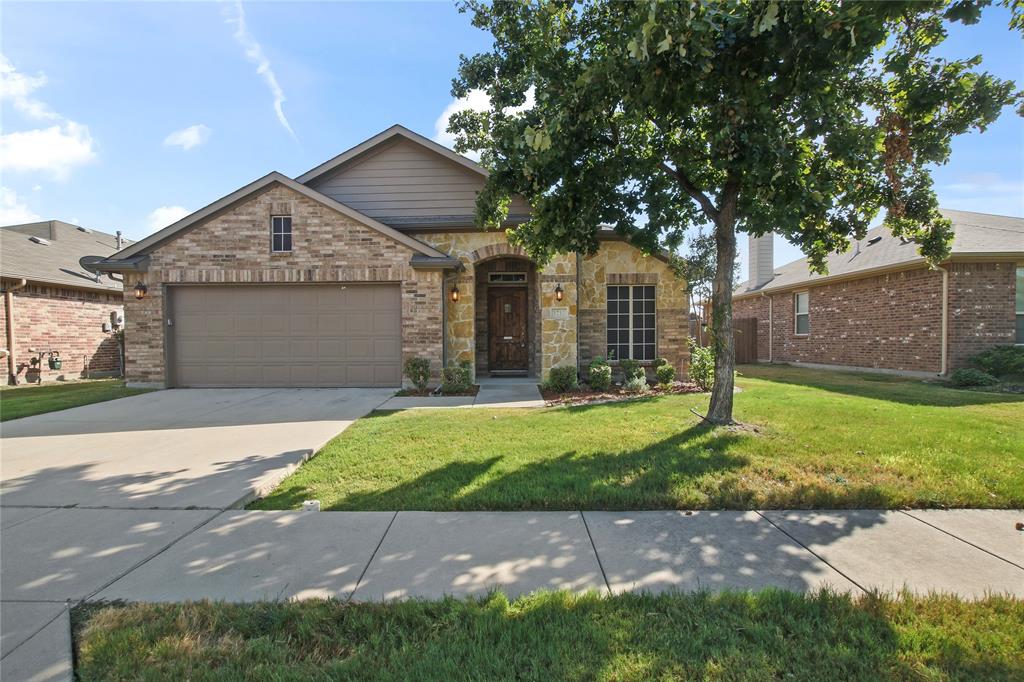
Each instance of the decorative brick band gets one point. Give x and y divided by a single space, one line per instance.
632 278
558 278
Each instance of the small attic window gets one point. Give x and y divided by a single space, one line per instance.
39 240
874 240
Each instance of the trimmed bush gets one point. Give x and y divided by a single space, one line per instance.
666 374
702 365
457 378
600 375
635 385
1000 360
562 379
632 369
658 362
417 371
968 376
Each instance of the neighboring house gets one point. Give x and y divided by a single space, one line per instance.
52 304
881 307
336 277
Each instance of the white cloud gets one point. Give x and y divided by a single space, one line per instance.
164 216
985 182
186 138
235 16
56 149
13 210
476 100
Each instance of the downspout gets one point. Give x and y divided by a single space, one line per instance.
771 330
579 367
944 344
12 372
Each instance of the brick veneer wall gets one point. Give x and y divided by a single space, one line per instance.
892 321
68 320
234 247
981 308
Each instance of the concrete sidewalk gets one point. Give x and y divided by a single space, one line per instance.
494 392
74 555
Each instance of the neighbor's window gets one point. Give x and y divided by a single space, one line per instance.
631 324
802 313
281 233
1020 304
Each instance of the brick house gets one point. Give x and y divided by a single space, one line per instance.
51 303
880 306
336 277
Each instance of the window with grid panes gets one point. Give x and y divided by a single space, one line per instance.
631 322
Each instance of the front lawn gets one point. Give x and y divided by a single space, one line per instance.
25 401
826 439
770 635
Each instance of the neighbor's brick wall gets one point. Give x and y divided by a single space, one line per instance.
234 247
981 308
893 321
68 320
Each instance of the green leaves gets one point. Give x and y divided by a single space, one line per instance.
768 20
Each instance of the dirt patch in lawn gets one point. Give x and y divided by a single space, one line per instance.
585 395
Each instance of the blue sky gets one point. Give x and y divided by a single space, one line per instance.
126 115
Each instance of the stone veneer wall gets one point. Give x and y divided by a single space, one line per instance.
892 321
69 320
619 263
234 247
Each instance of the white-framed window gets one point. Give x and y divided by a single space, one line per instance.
631 322
1020 305
280 233
506 277
802 313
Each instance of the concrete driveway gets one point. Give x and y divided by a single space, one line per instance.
89 494
176 449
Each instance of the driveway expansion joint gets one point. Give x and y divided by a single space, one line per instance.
597 555
963 540
369 561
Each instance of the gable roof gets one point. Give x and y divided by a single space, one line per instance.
157 238
395 131
974 235
52 256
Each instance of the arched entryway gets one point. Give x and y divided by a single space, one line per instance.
507 314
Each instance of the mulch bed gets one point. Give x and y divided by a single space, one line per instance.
585 396
429 393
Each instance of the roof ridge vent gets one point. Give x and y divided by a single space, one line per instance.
39 240
83 229
874 240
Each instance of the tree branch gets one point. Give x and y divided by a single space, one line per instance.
691 189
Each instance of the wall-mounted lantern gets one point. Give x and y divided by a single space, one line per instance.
455 293
140 291
558 292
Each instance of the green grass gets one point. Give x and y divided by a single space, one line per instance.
25 401
826 439
769 635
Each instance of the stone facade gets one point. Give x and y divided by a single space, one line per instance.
69 320
234 247
619 263
890 321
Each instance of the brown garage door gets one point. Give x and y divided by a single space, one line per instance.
286 335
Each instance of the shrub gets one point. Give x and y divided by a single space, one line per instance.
666 374
968 376
562 379
632 369
417 370
658 362
600 375
702 365
457 378
1000 360
635 384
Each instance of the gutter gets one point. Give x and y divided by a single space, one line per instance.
12 373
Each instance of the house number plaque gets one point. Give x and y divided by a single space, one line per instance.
558 313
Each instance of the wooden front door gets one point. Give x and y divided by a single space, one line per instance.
506 329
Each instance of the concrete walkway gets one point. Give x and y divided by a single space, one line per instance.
494 392
65 556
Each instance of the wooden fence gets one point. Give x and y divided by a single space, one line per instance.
744 334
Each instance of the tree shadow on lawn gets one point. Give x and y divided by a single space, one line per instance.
642 478
876 386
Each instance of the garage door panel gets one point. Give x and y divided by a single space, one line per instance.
287 335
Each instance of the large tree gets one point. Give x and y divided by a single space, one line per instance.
802 118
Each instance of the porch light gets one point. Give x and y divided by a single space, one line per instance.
558 292
140 291
455 293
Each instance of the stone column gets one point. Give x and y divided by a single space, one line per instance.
558 318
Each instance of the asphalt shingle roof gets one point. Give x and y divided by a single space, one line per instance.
55 262
975 234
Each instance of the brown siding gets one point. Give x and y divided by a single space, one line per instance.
68 320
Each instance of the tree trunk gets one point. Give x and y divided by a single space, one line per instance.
720 410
